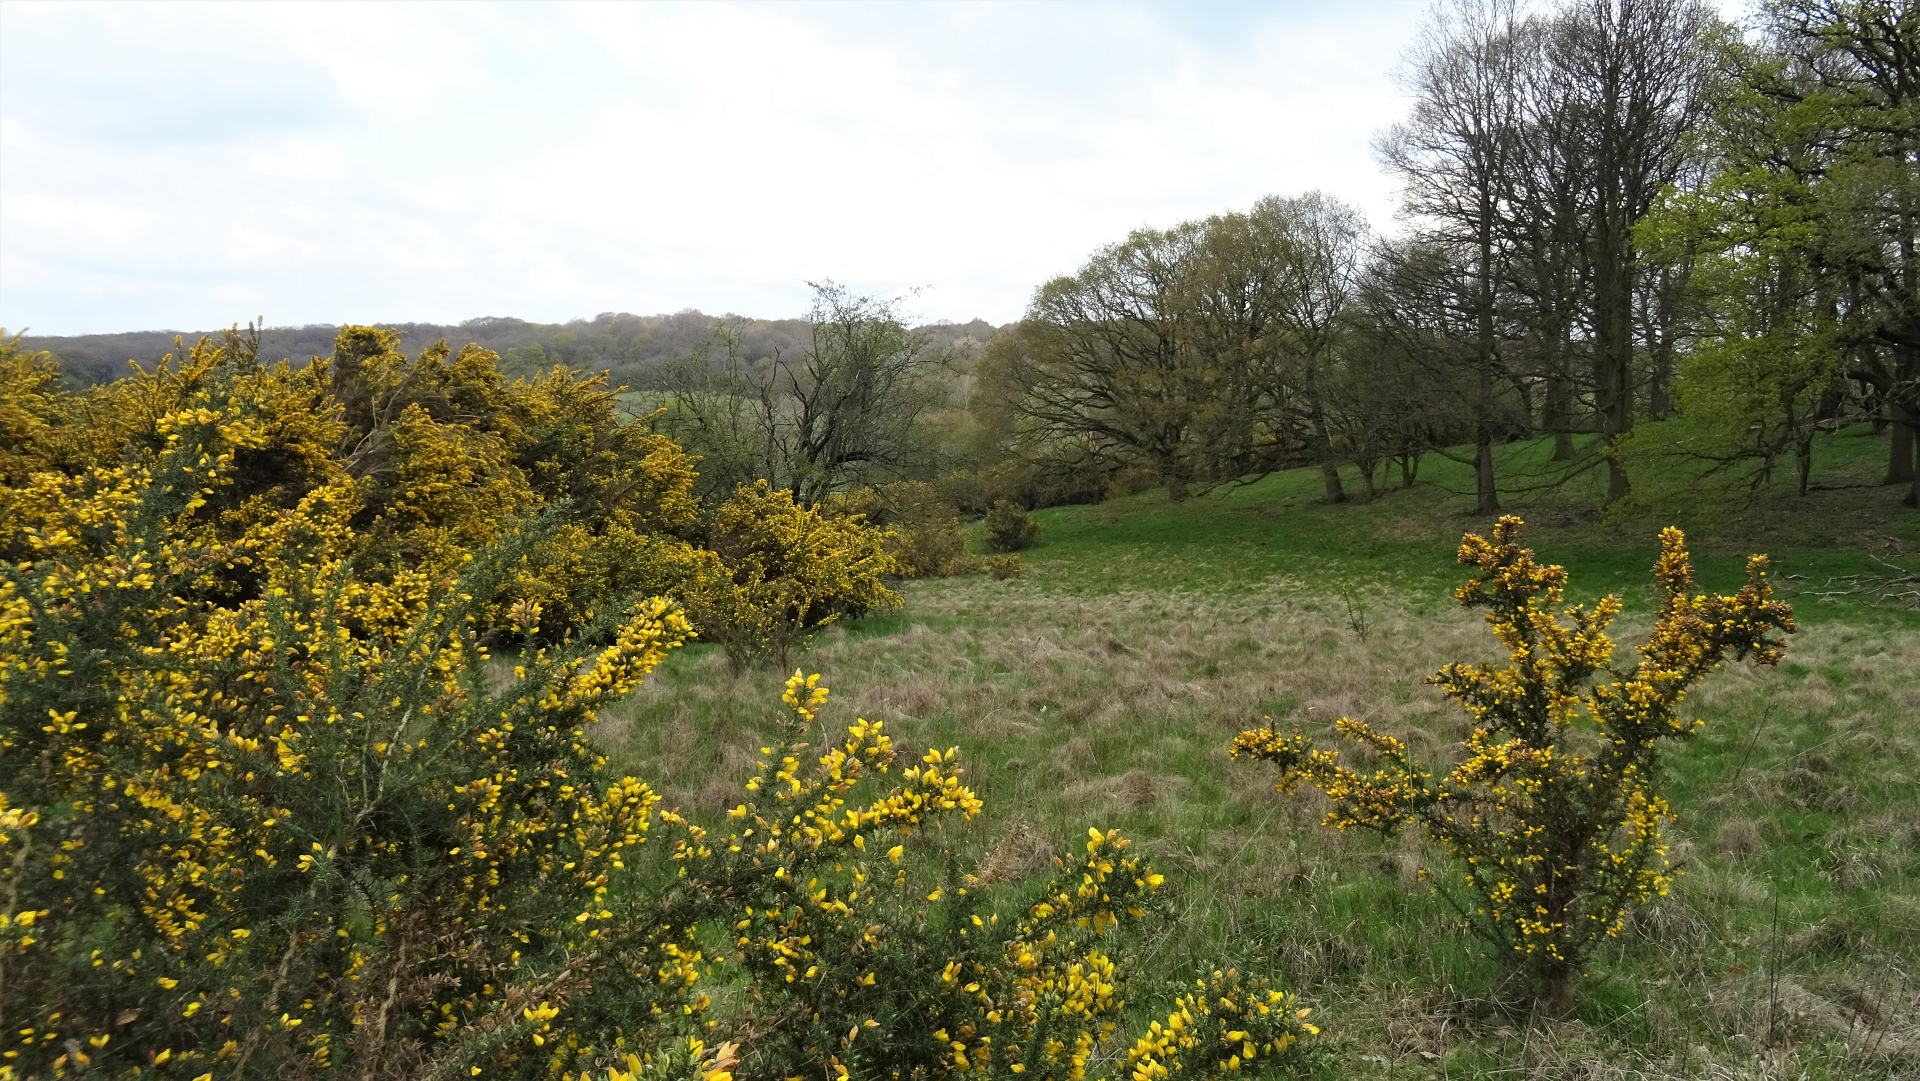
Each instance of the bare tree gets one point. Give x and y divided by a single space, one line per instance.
1643 73
847 410
1318 285
1454 156
1551 209
1423 322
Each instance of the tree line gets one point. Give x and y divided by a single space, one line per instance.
629 347
1678 250
1674 249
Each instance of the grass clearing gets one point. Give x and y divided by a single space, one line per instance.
1104 686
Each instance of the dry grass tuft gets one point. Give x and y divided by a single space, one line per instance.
1738 838
1020 853
1134 790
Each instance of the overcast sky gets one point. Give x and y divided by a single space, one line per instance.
186 166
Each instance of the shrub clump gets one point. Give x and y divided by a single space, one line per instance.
316 825
1001 567
440 455
263 814
936 549
894 967
923 532
790 570
1555 824
1010 528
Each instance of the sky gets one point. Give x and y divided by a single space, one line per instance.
187 166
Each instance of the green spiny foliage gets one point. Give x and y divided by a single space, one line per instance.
1557 824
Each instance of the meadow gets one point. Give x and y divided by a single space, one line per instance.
1104 685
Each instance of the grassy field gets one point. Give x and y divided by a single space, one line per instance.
1103 687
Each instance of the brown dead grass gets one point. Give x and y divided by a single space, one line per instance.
1072 711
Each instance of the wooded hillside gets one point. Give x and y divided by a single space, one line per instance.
630 348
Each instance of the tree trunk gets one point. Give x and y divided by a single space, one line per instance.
1175 470
1329 468
1900 450
1558 417
1613 364
1553 990
1489 499
1331 474
1660 406
1905 442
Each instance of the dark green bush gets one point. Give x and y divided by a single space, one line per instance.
1010 528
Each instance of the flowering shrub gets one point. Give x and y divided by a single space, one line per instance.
314 826
923 530
1558 829
441 452
33 410
789 570
923 534
931 549
867 964
264 812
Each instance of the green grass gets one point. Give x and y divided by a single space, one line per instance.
1103 687
1280 526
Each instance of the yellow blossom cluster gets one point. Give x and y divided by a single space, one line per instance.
923 536
790 570
1556 823
689 1061
865 963
1223 1027
443 456
314 823
297 775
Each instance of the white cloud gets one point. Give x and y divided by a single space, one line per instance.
390 162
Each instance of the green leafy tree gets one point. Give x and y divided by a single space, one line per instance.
1803 243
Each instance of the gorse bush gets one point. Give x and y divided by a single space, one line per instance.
265 814
1557 824
308 828
790 571
931 549
1010 528
923 533
441 454
868 964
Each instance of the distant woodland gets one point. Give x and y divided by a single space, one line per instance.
631 348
